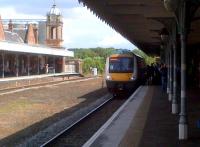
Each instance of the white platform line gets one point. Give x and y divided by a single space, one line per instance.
36 87
102 129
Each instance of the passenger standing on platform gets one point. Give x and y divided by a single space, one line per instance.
199 75
163 72
148 74
152 74
46 68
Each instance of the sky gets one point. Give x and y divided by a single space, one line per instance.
81 28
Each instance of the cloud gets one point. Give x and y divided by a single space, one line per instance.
84 29
114 39
13 14
37 6
81 29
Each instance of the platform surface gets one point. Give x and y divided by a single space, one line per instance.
146 121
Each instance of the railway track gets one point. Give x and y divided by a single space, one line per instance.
8 90
80 131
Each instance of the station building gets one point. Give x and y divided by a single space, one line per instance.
32 47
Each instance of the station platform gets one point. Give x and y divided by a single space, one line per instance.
145 120
21 81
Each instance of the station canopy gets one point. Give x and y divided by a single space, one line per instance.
140 21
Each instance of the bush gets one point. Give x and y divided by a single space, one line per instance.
96 62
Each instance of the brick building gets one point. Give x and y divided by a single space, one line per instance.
29 47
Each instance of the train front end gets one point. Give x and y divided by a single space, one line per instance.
121 73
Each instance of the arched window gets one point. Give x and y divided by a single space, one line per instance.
53 33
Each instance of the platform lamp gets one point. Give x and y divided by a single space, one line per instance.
164 35
171 5
162 52
162 46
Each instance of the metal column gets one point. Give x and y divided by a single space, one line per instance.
38 67
54 65
183 122
170 76
174 98
28 65
63 64
3 67
168 69
17 65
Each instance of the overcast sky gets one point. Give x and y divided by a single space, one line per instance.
81 28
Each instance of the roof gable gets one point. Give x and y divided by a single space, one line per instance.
30 35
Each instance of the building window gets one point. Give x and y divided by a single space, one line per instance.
53 33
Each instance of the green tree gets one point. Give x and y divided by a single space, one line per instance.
93 58
148 59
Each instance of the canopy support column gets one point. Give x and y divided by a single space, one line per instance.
183 122
28 58
54 64
38 66
63 64
3 65
168 69
174 98
170 76
17 65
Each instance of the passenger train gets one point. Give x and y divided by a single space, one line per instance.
124 71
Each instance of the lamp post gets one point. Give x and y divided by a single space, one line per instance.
171 5
164 35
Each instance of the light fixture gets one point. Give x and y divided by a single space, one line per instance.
164 35
161 46
171 5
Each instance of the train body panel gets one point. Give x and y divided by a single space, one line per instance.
121 86
121 76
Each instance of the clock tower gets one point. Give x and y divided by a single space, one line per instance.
54 28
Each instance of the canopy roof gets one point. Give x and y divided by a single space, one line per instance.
41 50
140 21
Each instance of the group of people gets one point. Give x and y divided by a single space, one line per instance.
156 74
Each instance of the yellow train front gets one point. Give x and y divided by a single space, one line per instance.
124 72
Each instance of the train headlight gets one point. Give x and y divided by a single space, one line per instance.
108 77
133 78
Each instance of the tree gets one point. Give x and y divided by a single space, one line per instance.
93 58
148 59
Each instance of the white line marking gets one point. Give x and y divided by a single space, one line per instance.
36 87
102 129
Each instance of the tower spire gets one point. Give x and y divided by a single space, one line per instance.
54 2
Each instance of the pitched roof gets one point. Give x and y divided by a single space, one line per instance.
13 37
21 33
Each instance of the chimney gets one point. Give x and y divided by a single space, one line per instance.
35 30
2 35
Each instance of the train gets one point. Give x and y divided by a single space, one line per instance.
124 71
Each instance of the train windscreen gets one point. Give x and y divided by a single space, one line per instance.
121 65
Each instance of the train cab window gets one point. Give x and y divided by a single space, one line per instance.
121 65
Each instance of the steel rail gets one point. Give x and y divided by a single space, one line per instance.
76 122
